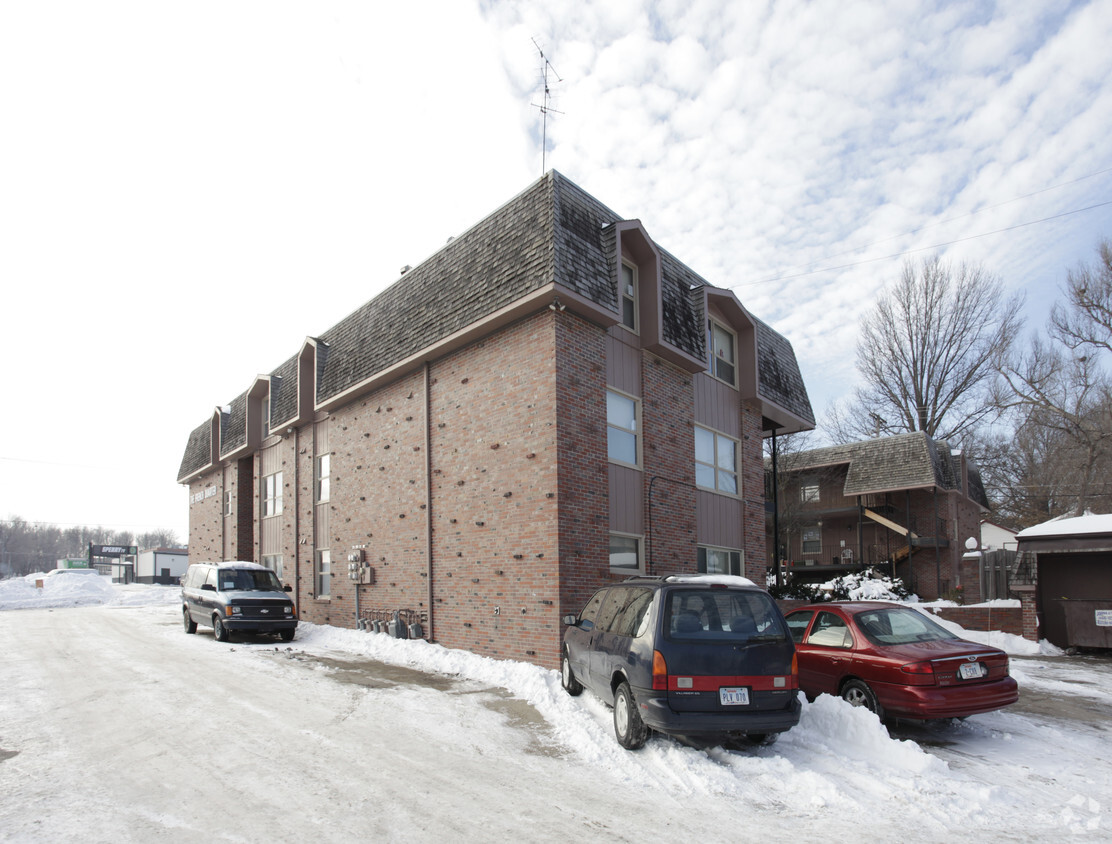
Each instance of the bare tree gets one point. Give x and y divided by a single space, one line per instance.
1086 319
928 351
1060 385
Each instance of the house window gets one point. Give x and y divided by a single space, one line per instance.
715 461
324 472
809 491
274 563
272 495
625 552
264 406
628 297
719 561
812 540
227 502
324 574
720 352
621 428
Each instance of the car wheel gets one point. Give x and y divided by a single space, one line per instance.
219 630
287 635
857 693
187 619
628 726
567 677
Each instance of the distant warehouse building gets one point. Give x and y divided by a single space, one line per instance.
548 403
161 565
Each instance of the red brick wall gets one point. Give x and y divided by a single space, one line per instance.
668 411
205 519
495 495
582 473
519 513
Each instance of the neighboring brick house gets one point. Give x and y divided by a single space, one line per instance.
907 503
548 403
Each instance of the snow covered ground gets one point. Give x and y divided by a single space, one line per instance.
116 726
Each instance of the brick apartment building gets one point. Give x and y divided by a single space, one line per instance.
906 503
548 403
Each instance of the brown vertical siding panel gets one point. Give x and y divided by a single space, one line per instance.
719 519
626 510
623 362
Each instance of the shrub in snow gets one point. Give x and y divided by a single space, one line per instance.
868 585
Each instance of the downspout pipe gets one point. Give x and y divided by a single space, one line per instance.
428 499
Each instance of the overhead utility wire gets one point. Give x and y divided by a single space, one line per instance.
920 249
964 216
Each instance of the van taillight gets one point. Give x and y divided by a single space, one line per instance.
660 672
795 665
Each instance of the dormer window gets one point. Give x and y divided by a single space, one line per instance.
721 352
628 296
264 412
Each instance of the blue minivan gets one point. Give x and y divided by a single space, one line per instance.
705 657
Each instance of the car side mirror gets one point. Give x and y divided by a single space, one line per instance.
207 587
573 620
287 588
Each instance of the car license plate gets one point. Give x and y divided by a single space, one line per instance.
733 696
972 671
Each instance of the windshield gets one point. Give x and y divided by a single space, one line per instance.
899 626
247 580
727 615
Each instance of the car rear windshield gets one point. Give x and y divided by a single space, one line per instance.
899 626
248 580
725 615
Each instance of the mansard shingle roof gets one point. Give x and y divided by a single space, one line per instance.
551 233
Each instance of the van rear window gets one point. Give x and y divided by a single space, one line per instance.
725 615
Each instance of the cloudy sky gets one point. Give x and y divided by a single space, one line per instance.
170 174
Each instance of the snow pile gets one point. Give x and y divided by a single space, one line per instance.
79 588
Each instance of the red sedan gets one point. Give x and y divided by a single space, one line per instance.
896 661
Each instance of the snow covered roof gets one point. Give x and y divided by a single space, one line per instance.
1087 525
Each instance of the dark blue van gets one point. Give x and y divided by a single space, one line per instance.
705 657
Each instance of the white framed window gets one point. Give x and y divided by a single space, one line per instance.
272 495
622 425
721 353
324 574
227 502
625 552
716 461
324 473
274 563
720 560
809 491
627 298
812 540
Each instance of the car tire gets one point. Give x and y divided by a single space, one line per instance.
857 693
567 677
187 620
219 630
628 726
287 635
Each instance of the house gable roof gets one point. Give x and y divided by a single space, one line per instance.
889 464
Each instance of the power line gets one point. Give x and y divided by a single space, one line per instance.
922 248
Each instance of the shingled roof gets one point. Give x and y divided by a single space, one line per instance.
887 464
553 233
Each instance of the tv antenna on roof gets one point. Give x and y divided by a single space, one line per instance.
546 108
